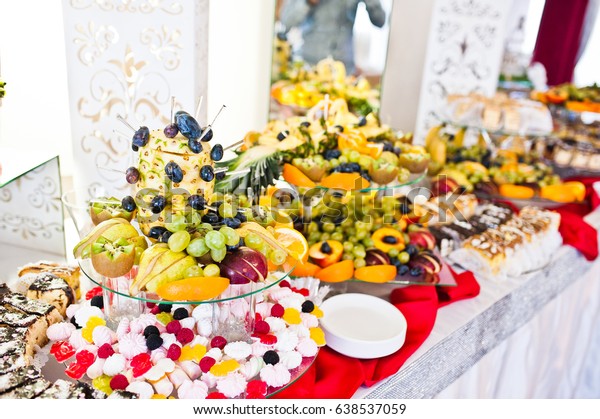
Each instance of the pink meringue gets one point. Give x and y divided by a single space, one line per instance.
193 390
102 335
76 340
158 354
286 341
132 344
238 350
191 368
232 385
290 360
252 367
264 309
96 369
307 347
143 389
139 324
277 293
275 375
114 364
60 331
72 309
123 327
309 320
259 348
276 324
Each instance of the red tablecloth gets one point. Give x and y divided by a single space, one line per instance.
337 376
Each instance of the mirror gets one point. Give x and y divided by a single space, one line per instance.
328 47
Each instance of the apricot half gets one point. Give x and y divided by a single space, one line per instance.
197 288
338 272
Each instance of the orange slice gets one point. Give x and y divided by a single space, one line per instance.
577 188
306 269
197 288
295 176
338 272
345 181
377 274
293 241
516 191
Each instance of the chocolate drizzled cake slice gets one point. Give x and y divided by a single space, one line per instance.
34 324
29 306
29 390
70 274
14 350
18 377
53 290
62 389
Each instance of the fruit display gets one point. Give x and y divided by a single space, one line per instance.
573 98
329 148
302 88
2 88
511 173
499 113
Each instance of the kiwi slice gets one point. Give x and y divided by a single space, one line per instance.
102 209
113 258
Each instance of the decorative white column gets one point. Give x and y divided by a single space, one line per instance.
464 52
129 57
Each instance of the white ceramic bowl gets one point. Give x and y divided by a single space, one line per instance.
362 326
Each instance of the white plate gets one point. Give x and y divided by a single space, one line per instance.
362 326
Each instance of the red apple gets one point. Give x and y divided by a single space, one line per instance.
244 265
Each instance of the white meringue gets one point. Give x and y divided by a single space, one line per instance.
204 311
84 313
215 353
72 309
188 322
193 390
264 309
238 350
132 344
102 335
259 348
178 376
300 330
60 331
138 325
286 341
276 324
191 368
252 367
143 389
277 293
123 327
309 320
76 340
290 360
204 327
96 369
293 300
232 385
209 379
275 375
114 365
307 347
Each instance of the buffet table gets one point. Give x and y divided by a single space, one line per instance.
531 337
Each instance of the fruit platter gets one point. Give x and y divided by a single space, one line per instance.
301 88
571 97
514 172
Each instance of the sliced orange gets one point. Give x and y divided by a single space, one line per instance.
577 188
306 269
338 272
516 191
295 176
345 181
376 273
292 241
197 288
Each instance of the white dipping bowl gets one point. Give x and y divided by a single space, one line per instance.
362 326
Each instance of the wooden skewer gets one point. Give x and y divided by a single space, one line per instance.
237 143
197 114
121 119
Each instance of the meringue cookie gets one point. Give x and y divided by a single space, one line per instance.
239 308
132 344
139 324
264 309
76 340
259 348
158 354
293 301
114 365
276 324
191 368
90 348
205 311
277 293
237 350
188 322
199 340
215 353
193 390
290 360
72 309
204 327
307 347
168 339
102 335
286 341
96 369
163 386
123 327
178 376
252 367
275 375
143 389
209 379
300 330
60 331
309 320
232 385
84 313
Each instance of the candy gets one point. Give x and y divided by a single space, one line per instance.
174 352
261 326
119 382
94 292
218 342
140 364
92 323
164 318
317 334
292 316
216 395
102 383
76 370
192 353
225 367
277 310
317 312
207 363
85 358
257 386
62 351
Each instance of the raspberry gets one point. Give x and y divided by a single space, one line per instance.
105 351
93 292
216 395
257 386
119 382
155 310
185 335
261 327
284 284
218 342
206 364
173 327
174 352
277 310
150 305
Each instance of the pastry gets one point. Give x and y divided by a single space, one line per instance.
29 306
70 274
53 290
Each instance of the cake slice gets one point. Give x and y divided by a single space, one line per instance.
53 290
13 360
18 377
35 326
28 390
62 389
71 274
29 306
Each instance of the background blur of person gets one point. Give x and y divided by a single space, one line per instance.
327 27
